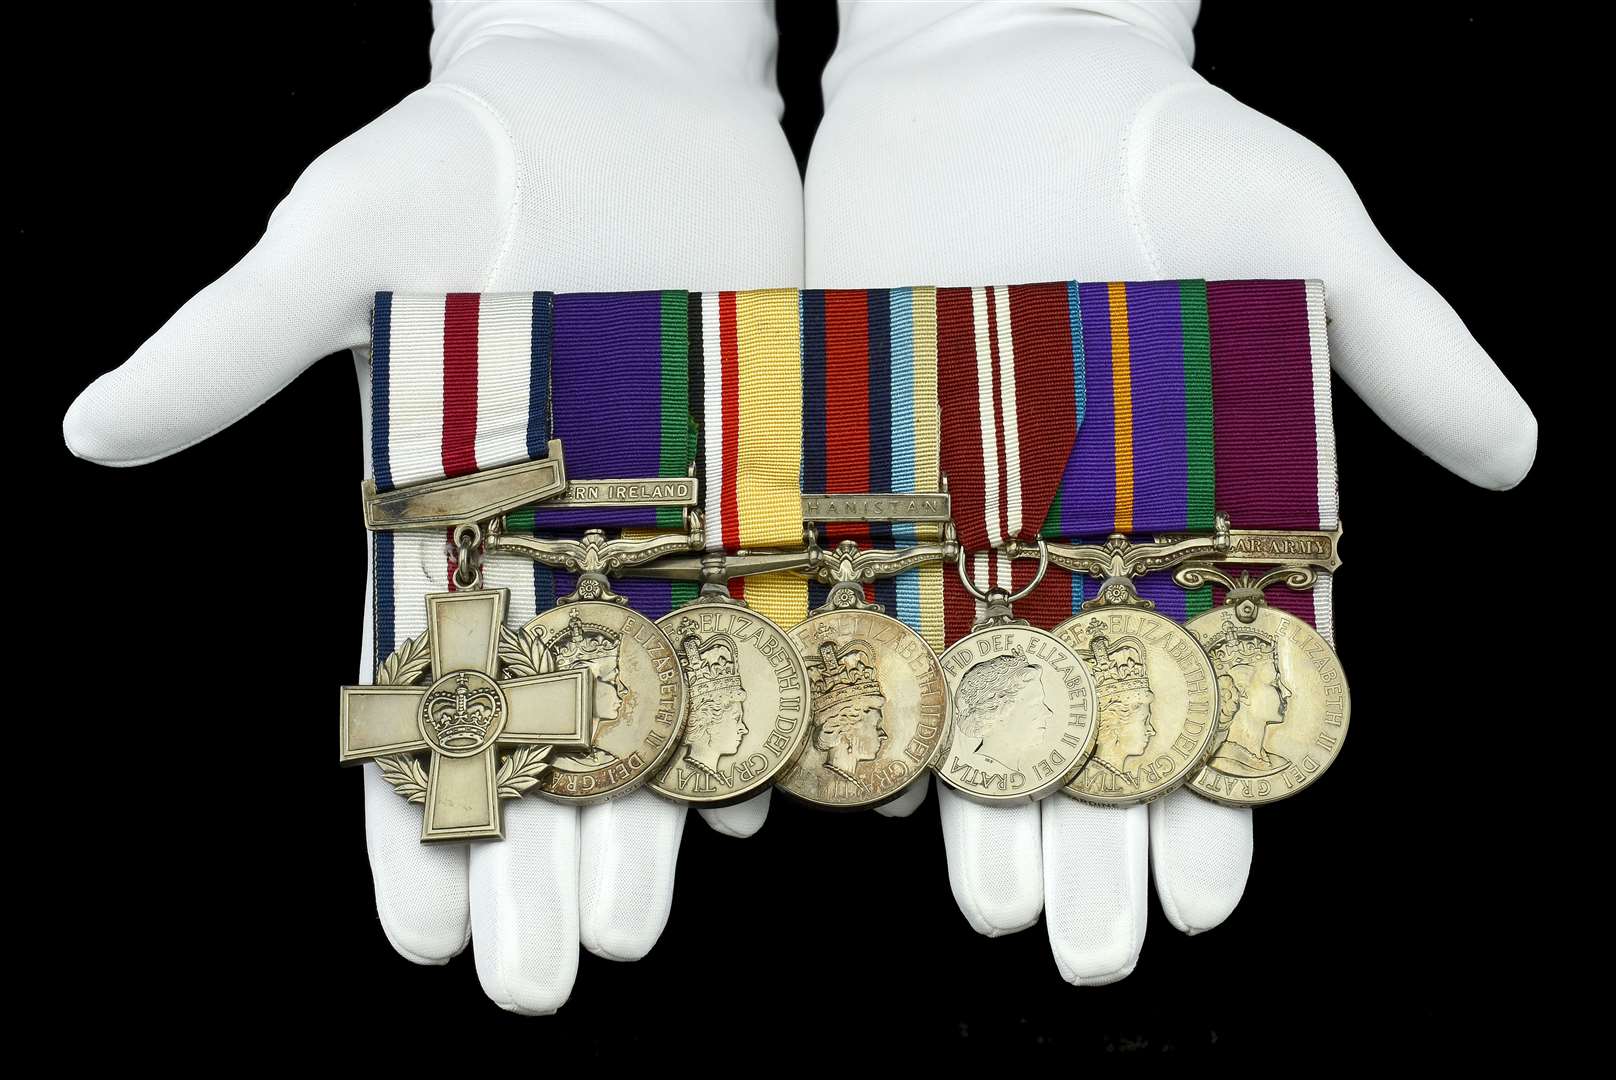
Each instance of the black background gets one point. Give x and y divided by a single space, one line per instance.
207 870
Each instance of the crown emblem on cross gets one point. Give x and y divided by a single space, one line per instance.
1118 666
709 663
1235 643
461 716
583 642
841 675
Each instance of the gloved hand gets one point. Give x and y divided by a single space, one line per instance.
1009 142
575 146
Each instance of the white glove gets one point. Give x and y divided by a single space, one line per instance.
1009 142
565 147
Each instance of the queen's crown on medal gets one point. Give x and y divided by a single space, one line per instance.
581 643
842 675
461 716
1236 642
1118 666
709 664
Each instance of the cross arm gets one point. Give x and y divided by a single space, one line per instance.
380 720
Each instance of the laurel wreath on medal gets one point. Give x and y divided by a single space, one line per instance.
520 654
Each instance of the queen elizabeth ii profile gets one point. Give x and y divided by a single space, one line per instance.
1253 698
1122 690
717 721
998 700
848 704
596 649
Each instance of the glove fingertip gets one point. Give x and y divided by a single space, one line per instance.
908 802
1514 455
740 821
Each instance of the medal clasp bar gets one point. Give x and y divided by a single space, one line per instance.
593 556
476 497
928 507
1296 557
1318 548
622 494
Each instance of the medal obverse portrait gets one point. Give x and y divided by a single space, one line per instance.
1284 706
878 709
637 692
748 706
1022 714
1155 700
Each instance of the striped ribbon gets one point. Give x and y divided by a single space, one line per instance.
870 423
1201 396
751 436
1143 459
458 383
1012 387
1191 396
752 418
621 367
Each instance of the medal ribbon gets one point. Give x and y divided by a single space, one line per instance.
459 383
870 423
1011 384
621 374
750 400
1201 396
1192 396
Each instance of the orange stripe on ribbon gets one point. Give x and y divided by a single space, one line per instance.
1122 403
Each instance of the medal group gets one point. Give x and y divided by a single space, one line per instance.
713 542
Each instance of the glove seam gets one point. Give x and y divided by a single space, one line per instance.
1135 135
513 205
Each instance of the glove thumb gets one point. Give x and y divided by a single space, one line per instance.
413 199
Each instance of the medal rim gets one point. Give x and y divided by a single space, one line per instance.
1194 767
799 740
943 739
655 765
1346 721
1050 787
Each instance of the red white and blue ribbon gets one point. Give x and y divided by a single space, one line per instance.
459 383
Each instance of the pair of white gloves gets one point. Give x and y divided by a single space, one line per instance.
606 146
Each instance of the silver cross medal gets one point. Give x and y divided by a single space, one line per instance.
462 717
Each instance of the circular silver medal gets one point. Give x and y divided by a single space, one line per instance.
1022 703
1023 720
878 709
748 704
637 693
1155 703
1283 700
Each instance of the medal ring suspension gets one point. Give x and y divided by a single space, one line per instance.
467 551
963 558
